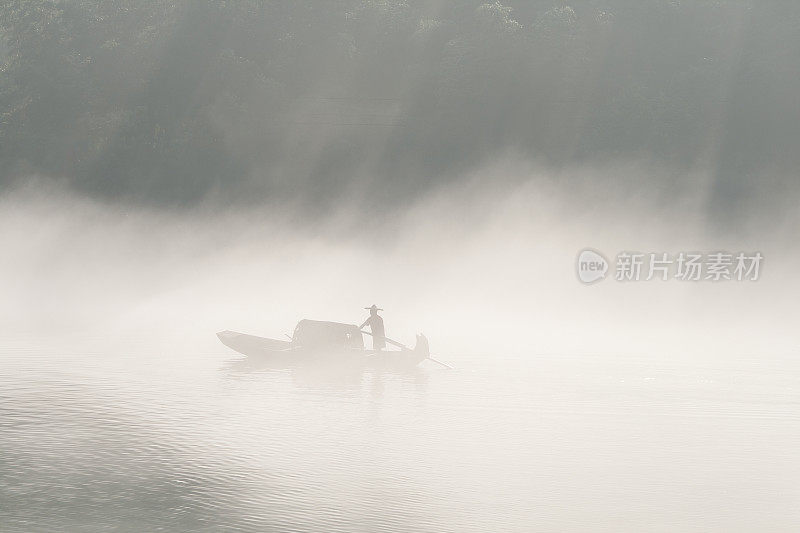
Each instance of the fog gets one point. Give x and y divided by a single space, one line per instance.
166 103
170 169
481 269
603 407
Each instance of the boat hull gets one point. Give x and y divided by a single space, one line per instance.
282 354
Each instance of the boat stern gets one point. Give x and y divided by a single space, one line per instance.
421 348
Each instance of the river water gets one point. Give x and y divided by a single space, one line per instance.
128 437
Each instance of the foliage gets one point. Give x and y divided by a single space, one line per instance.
167 101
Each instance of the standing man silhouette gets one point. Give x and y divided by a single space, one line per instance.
376 328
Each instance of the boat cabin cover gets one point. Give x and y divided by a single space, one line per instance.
320 334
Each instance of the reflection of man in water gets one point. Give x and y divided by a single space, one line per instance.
376 328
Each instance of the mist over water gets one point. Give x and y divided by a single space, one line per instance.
663 405
484 267
173 169
187 441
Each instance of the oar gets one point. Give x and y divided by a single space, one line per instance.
404 347
441 363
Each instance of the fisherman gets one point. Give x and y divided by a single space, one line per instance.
376 328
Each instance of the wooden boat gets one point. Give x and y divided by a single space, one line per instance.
320 342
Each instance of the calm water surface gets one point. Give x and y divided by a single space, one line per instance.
142 438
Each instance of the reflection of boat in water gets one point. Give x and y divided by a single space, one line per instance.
324 343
